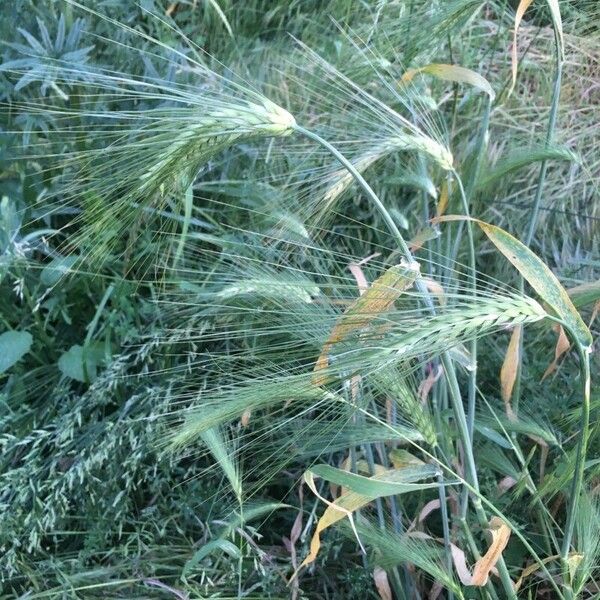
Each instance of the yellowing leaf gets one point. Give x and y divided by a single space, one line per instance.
374 301
443 201
453 73
510 367
537 274
361 491
562 346
402 459
523 6
500 534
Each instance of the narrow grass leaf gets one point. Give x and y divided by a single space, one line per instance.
510 366
453 73
537 274
223 545
379 298
523 6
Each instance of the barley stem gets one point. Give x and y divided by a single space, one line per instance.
447 363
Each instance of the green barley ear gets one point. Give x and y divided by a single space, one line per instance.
143 160
394 385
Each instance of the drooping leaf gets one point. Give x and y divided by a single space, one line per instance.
360 492
536 273
453 73
219 544
379 298
510 367
562 346
14 345
500 534
518 159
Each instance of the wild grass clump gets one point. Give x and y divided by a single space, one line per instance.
298 302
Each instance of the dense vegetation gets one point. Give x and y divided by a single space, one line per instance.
237 284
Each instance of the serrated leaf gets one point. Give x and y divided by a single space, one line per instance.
14 345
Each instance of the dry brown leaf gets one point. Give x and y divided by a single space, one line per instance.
245 420
562 346
510 367
402 459
527 571
361 280
382 584
505 484
500 534
426 385
425 512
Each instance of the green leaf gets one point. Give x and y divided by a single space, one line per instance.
389 483
585 294
455 74
223 545
541 279
537 274
81 363
52 273
521 158
13 346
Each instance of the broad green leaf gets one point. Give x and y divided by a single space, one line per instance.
81 363
521 158
537 274
13 346
455 74
219 544
541 279
386 483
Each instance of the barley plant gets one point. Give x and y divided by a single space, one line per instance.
299 299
